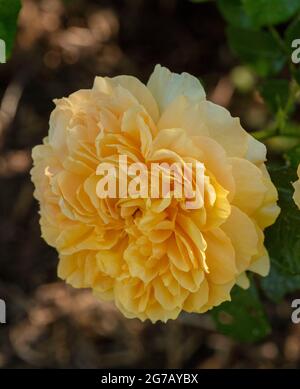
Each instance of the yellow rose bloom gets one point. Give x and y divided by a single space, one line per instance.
153 257
296 186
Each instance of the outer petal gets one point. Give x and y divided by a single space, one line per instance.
217 295
220 257
207 119
195 301
242 233
256 151
261 266
135 87
269 210
243 281
249 184
216 161
58 126
166 87
80 271
140 92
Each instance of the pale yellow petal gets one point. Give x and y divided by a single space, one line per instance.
249 183
256 151
217 295
140 92
207 119
220 257
243 281
195 301
215 160
261 265
166 86
243 235
296 186
269 210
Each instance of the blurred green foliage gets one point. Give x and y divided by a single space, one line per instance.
278 284
283 238
9 11
256 48
268 12
243 317
275 92
260 33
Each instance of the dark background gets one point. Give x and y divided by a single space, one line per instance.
60 47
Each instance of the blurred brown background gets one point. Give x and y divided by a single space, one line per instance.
60 47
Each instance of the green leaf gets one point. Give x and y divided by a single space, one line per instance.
242 318
277 284
234 13
9 10
291 129
282 239
270 12
258 49
275 93
292 33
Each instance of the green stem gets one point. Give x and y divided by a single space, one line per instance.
278 39
283 114
281 44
